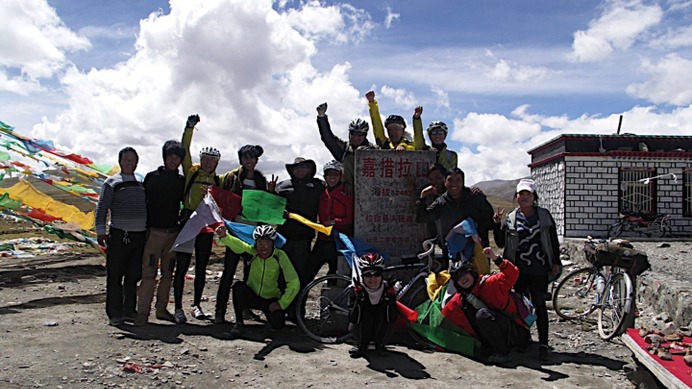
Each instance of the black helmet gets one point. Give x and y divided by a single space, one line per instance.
460 267
173 147
251 151
395 119
359 125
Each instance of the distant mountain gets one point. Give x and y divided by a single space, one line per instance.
503 189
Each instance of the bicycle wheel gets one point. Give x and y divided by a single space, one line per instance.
615 230
575 297
656 230
324 302
615 304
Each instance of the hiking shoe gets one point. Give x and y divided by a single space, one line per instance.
219 318
116 321
198 313
543 352
180 316
380 349
130 316
498 359
164 315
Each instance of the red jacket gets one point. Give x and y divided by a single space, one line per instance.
493 290
336 205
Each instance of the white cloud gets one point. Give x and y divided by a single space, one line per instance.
508 71
340 23
442 96
33 44
673 38
245 68
669 81
390 18
618 26
403 98
498 145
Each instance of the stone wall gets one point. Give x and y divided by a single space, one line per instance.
550 183
590 192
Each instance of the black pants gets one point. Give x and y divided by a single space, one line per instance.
244 298
498 332
123 272
536 287
230 264
373 325
203 244
298 252
323 252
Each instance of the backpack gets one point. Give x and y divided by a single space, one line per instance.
525 310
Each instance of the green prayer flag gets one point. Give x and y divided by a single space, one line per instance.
264 207
7 202
4 156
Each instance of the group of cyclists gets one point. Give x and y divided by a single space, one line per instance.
145 218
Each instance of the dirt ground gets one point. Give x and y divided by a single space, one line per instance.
55 335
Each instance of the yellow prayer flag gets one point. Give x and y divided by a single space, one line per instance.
315 226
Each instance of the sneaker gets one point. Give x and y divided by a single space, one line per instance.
498 359
180 316
116 321
164 315
219 318
543 351
237 329
355 352
380 349
198 313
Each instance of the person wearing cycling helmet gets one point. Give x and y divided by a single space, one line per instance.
198 177
336 209
484 309
261 290
372 307
530 240
344 151
397 138
437 133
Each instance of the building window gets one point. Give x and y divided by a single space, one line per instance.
687 191
637 191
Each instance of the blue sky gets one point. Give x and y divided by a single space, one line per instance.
504 75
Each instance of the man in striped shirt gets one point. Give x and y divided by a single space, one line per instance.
122 199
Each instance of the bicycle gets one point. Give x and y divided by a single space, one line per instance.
603 287
322 308
656 226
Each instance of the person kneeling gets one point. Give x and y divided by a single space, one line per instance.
490 310
261 291
372 309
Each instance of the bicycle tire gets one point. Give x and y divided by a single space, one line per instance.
615 230
322 309
575 296
615 304
656 230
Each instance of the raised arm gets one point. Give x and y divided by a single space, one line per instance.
377 126
335 145
418 140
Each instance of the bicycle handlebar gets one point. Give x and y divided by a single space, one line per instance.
429 247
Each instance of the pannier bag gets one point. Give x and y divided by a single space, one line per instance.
634 261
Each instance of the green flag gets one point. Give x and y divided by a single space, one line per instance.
7 202
261 206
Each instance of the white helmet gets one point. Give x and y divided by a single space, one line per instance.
209 152
265 231
333 165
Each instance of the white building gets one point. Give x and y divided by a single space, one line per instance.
586 181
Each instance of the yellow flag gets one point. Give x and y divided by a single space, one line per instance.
315 226
32 197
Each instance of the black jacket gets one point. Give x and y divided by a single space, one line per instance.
164 192
303 198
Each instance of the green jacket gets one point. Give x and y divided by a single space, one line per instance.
384 143
264 274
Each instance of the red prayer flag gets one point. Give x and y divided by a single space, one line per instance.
229 203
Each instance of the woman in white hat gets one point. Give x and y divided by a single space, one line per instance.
529 238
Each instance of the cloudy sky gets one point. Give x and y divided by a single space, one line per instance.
504 75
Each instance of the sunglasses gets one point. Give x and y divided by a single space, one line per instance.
436 132
353 133
371 274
